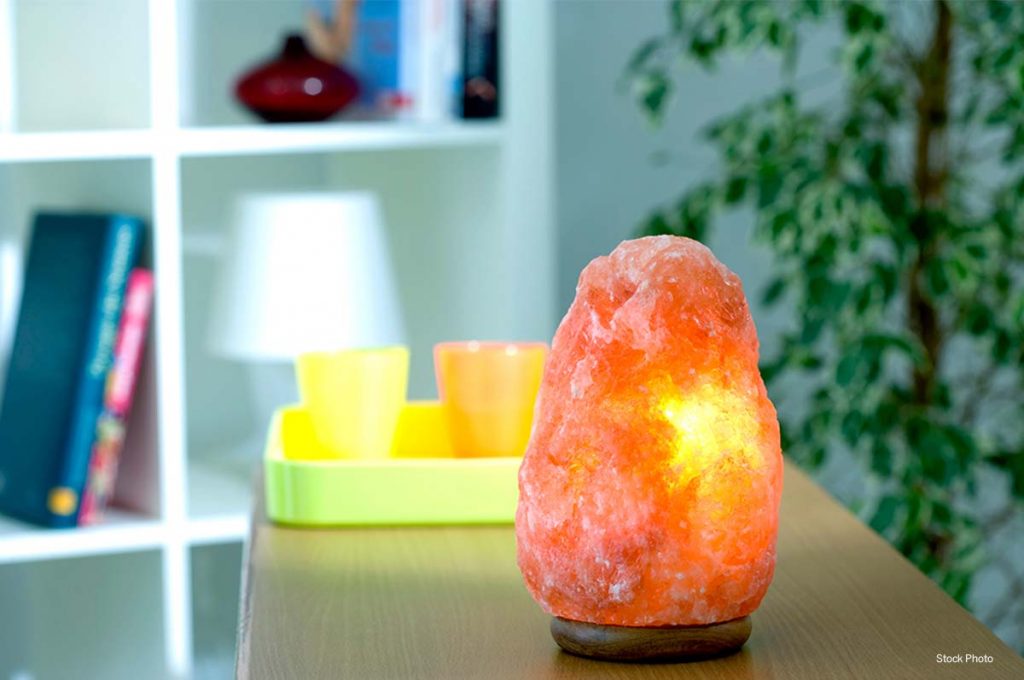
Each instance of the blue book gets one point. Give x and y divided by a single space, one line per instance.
375 53
75 277
384 54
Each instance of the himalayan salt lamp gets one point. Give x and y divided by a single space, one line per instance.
649 492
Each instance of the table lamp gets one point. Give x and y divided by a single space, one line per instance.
302 272
649 492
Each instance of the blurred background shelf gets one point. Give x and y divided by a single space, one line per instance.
120 532
122 105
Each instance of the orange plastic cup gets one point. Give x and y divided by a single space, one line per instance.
488 390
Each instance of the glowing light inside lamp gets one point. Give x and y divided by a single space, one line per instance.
713 427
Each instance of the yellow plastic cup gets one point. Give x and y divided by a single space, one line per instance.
488 390
354 398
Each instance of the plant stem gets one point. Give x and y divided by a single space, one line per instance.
930 173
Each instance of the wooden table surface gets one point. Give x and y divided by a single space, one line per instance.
448 602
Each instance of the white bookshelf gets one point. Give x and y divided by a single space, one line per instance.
125 105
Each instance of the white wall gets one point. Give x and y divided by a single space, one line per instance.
613 167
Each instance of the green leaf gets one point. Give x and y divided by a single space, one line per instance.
810 362
885 275
862 300
812 7
965 449
656 225
677 15
735 190
702 50
1012 462
837 294
976 250
847 369
768 187
942 514
1002 346
771 369
642 55
957 584
938 282
654 90
774 291
881 459
811 330
934 455
852 427
865 55
911 348
885 513
979 319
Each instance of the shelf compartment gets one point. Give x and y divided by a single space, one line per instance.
107 186
95 617
79 65
216 571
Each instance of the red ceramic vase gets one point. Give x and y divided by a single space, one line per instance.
296 86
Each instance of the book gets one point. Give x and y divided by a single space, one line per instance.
440 60
118 397
481 84
75 277
384 55
453 56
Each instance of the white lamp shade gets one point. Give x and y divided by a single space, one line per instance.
304 272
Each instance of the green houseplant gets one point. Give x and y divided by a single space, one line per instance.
896 220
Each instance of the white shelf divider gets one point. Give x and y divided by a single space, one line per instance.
74 146
321 137
120 532
242 140
227 528
169 333
171 419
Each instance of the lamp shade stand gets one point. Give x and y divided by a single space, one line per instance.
662 643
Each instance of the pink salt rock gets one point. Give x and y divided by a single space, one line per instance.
649 493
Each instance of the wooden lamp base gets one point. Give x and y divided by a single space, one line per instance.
665 643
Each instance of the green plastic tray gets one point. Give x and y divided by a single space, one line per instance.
304 487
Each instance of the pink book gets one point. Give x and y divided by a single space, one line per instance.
118 396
